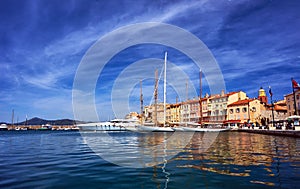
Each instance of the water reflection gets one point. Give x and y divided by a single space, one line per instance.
136 150
242 154
262 159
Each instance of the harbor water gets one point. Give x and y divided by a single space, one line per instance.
65 159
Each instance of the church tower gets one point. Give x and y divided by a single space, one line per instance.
262 96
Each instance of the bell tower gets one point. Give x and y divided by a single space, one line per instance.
262 96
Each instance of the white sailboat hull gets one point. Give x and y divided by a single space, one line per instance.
178 129
143 128
190 129
163 129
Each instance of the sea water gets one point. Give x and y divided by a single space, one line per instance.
68 159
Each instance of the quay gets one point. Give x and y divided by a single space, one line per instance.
42 127
289 133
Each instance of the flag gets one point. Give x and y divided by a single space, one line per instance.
270 91
295 84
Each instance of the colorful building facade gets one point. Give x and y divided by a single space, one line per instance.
289 98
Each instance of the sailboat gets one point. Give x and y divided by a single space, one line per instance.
153 127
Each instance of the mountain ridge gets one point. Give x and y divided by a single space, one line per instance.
40 121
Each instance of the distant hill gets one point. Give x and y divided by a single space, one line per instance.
39 121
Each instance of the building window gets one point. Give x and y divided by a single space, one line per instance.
231 111
244 109
297 97
237 110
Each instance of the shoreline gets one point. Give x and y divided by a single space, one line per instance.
289 133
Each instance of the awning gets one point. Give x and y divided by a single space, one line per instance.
232 121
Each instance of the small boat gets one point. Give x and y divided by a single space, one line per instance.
3 127
45 127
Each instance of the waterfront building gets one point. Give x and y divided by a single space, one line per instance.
190 111
214 108
280 109
205 112
256 110
231 108
245 111
279 112
185 112
217 106
289 98
173 113
150 115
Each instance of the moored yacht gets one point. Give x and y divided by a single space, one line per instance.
113 125
3 127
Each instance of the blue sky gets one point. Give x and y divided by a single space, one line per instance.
255 42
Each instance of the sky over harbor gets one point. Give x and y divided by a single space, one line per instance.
255 43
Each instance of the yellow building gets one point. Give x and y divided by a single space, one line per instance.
245 111
173 113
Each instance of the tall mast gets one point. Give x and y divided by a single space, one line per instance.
188 108
155 96
294 96
12 117
200 98
186 90
26 120
142 102
165 87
